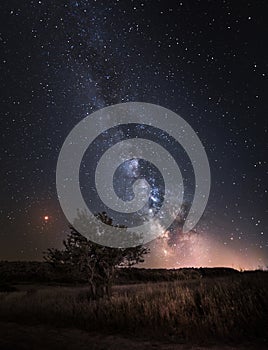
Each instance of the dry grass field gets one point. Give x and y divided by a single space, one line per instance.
227 311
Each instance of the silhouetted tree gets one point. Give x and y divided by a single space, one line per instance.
96 262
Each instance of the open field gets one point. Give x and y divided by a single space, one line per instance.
223 310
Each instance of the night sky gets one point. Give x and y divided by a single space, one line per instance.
205 60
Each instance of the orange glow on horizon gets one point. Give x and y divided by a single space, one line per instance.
203 250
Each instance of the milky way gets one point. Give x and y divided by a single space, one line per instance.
206 61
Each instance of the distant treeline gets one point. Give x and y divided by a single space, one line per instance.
158 275
43 272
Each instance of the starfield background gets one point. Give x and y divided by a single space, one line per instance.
204 60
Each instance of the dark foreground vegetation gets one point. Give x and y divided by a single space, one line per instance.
12 272
184 306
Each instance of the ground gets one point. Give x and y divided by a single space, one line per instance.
20 337
220 313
